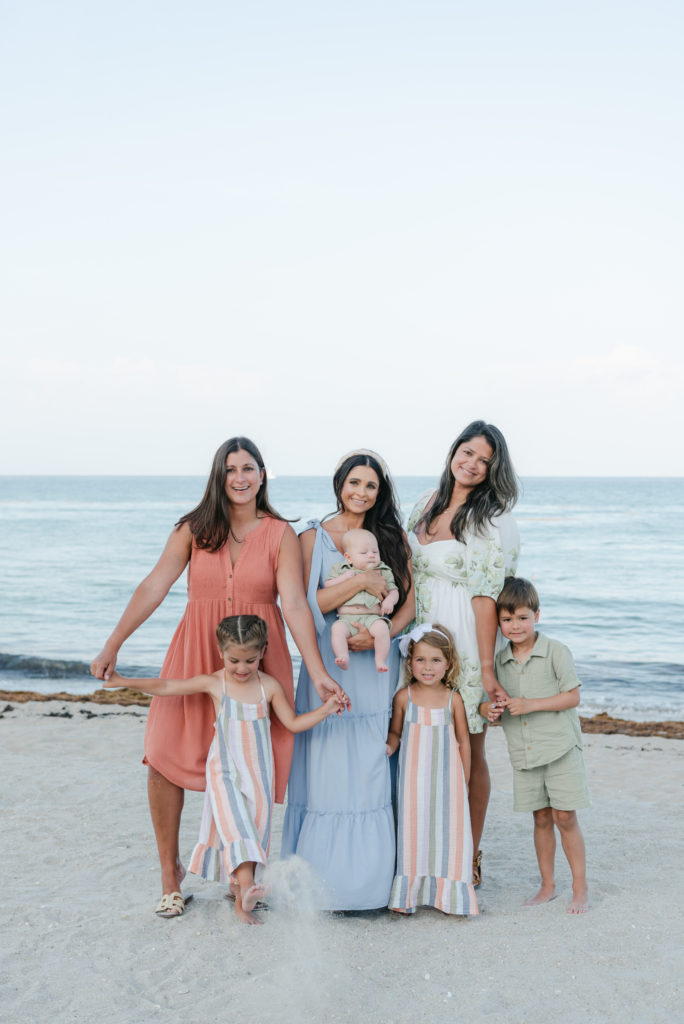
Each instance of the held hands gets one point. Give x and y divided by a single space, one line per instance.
334 705
326 687
114 681
492 710
493 687
104 664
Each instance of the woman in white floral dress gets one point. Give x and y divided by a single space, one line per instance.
464 542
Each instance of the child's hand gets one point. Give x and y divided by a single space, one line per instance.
334 705
518 706
114 682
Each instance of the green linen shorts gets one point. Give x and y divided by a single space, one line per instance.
365 620
562 784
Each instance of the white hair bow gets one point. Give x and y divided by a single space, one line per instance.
416 634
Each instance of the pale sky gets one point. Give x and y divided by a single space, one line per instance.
331 225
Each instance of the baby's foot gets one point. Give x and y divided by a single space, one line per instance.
381 667
579 904
342 663
545 895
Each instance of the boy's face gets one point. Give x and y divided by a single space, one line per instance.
363 553
518 626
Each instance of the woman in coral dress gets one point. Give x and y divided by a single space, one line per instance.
241 556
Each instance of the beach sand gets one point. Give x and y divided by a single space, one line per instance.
80 941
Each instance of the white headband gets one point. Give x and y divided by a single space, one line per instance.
417 634
365 451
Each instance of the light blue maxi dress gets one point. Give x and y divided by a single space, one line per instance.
339 813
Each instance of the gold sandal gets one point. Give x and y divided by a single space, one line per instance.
477 870
172 904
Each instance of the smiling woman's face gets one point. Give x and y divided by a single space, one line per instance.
243 477
470 463
360 490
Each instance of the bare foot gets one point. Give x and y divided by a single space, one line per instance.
545 895
382 667
251 897
579 904
342 663
245 916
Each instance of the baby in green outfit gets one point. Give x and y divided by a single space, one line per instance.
361 553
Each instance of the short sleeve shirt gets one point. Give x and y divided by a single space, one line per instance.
364 597
539 737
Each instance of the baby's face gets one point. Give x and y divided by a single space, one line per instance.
363 553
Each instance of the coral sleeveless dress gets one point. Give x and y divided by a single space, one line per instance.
236 819
434 841
180 729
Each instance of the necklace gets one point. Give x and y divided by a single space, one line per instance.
236 539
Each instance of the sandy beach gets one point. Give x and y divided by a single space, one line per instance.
80 941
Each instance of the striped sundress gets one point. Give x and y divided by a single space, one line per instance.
236 818
434 840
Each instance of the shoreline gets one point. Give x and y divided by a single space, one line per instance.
603 723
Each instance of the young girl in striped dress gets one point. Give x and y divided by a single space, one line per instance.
236 820
434 840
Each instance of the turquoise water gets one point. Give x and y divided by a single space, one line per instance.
607 556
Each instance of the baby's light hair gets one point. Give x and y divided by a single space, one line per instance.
355 535
439 637
242 631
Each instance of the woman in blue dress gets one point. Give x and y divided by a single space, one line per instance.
339 814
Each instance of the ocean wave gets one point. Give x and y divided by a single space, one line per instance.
33 666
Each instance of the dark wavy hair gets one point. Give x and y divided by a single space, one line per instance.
383 520
497 493
209 522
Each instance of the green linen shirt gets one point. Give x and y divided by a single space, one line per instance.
542 736
363 597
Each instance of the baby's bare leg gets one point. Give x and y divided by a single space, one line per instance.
545 846
572 841
381 635
339 634
249 894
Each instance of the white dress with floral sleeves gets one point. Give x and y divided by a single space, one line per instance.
448 574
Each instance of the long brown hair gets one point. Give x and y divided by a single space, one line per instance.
382 519
209 522
497 493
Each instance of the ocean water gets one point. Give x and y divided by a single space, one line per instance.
607 556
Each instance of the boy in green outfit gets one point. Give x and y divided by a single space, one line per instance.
540 720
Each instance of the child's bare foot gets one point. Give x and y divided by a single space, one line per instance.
382 667
579 904
245 904
342 663
545 895
251 897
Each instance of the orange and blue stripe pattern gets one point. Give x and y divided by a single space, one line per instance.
434 840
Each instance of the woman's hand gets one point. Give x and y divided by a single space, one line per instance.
326 687
372 581
493 687
361 641
104 663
